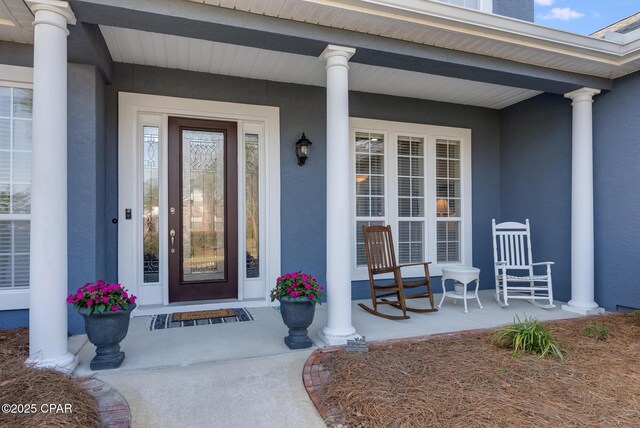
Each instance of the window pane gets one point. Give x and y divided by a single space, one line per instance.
22 134
151 204
22 166
22 102
448 241
410 177
410 241
370 191
5 101
252 182
5 134
21 198
5 199
448 172
14 253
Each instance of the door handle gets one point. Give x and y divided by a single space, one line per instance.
172 234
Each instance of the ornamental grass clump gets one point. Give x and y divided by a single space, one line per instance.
298 286
98 297
528 336
596 331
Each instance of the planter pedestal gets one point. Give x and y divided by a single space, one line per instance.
298 316
106 331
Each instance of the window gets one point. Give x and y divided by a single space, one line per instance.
417 178
481 5
16 101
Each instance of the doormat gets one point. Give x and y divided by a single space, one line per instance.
162 321
201 315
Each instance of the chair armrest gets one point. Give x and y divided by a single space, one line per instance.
414 264
501 263
543 263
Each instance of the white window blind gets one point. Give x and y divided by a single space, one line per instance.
15 185
448 200
411 168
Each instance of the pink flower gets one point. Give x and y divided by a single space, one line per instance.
105 300
307 286
70 299
89 303
114 308
304 278
310 297
124 295
279 279
132 299
80 295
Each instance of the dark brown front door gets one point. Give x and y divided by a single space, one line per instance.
203 216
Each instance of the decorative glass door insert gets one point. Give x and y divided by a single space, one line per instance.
202 209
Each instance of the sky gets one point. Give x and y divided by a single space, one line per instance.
583 16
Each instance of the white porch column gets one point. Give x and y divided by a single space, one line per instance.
339 240
582 246
48 284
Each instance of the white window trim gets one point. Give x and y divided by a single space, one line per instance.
15 298
138 109
430 133
483 5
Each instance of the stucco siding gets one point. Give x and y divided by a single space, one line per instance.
519 9
616 155
535 182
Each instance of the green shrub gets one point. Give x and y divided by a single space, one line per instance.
528 336
596 331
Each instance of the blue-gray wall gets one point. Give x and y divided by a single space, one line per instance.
535 164
303 189
616 161
535 181
519 9
86 180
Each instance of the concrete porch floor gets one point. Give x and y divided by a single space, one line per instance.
242 374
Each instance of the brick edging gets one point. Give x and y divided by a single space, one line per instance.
112 407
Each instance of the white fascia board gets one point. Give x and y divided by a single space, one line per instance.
487 26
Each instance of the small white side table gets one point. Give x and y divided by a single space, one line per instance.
464 275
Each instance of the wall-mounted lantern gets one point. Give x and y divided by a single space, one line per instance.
303 146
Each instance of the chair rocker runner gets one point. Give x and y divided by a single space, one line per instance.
514 268
381 259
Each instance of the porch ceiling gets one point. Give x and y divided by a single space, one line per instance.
15 21
451 27
163 50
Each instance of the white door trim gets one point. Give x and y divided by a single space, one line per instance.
137 109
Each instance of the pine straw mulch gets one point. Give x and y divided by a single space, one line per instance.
465 381
20 384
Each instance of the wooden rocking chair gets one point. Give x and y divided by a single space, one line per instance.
381 259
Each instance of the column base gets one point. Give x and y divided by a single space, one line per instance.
583 311
65 364
335 338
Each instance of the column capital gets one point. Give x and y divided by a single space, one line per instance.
62 8
582 94
340 51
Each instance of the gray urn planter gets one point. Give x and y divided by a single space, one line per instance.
106 331
298 316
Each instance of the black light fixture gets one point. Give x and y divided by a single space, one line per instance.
303 146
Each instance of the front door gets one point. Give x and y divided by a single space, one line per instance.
203 216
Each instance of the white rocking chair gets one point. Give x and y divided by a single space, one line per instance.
514 269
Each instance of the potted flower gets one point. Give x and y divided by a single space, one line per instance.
106 309
298 294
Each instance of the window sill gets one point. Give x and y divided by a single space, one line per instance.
14 299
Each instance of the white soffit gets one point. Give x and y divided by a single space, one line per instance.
15 22
452 27
162 50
